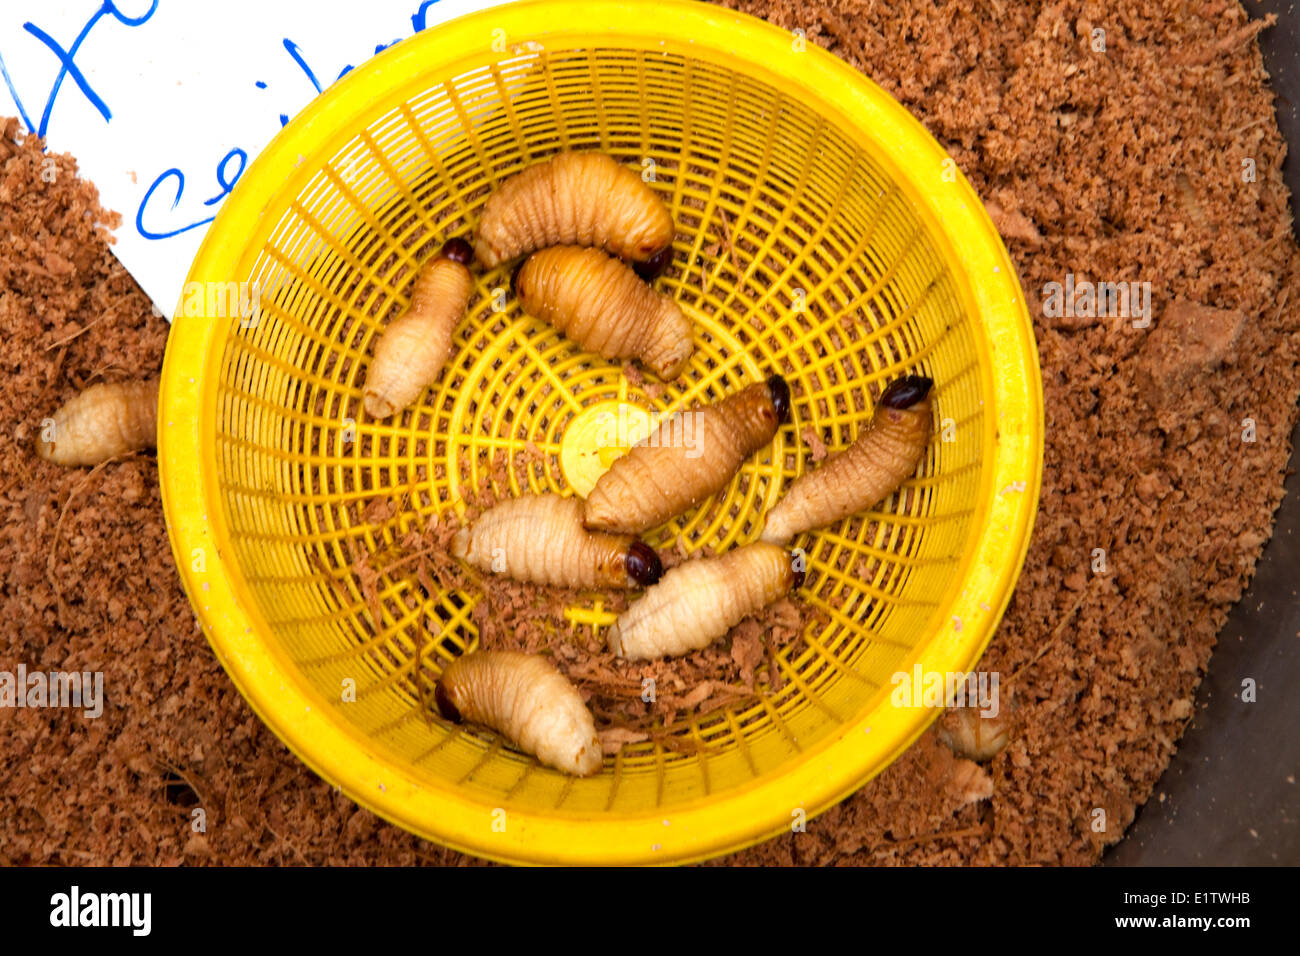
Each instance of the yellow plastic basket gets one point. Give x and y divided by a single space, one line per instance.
820 232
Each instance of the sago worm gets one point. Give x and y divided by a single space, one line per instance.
688 457
866 472
655 266
583 199
540 538
414 347
526 700
101 423
699 601
974 736
602 305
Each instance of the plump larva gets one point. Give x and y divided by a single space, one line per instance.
688 457
972 735
582 199
526 700
699 601
866 472
603 305
540 538
101 423
655 266
413 349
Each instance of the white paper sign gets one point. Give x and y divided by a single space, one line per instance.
165 102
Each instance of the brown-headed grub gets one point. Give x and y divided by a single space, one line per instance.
583 199
540 538
104 421
971 735
415 346
868 471
603 305
699 601
526 700
688 457
655 266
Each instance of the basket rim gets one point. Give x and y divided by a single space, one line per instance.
844 760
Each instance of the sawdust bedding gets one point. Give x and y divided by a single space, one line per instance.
1123 165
